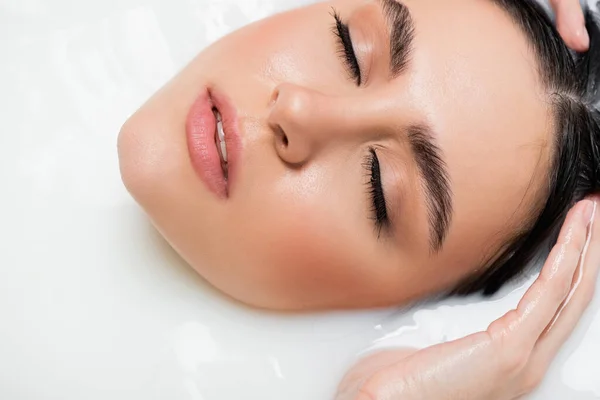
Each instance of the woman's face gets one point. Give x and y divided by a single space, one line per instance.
361 175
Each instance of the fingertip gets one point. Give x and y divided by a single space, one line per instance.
592 224
576 38
582 40
581 213
571 25
593 197
587 213
576 223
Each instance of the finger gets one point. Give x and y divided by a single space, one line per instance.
543 299
571 23
461 360
356 377
459 369
579 272
574 306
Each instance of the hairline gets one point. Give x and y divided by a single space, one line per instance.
549 80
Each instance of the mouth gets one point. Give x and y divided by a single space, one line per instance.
220 143
213 141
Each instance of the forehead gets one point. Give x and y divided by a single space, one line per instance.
474 77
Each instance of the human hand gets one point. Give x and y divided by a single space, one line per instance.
511 357
571 23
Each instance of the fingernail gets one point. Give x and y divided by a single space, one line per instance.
583 36
574 21
588 211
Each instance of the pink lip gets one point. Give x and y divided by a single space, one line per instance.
201 125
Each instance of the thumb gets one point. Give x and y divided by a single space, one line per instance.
361 372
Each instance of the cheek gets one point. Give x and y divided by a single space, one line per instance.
310 253
306 250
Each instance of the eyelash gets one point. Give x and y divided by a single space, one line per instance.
346 49
375 189
371 164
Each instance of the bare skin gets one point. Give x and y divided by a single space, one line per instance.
543 321
298 229
571 24
298 216
510 358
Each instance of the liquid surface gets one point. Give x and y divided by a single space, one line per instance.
93 303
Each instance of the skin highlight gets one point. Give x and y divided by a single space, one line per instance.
297 231
205 231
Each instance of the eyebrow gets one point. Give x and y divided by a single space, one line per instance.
428 156
435 178
402 32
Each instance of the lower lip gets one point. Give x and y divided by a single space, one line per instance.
201 125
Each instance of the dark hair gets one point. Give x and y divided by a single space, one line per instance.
571 81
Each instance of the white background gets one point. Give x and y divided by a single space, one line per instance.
93 304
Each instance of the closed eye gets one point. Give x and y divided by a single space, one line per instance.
375 188
346 48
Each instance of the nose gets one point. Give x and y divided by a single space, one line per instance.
306 122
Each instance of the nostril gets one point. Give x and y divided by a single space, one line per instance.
274 96
281 136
